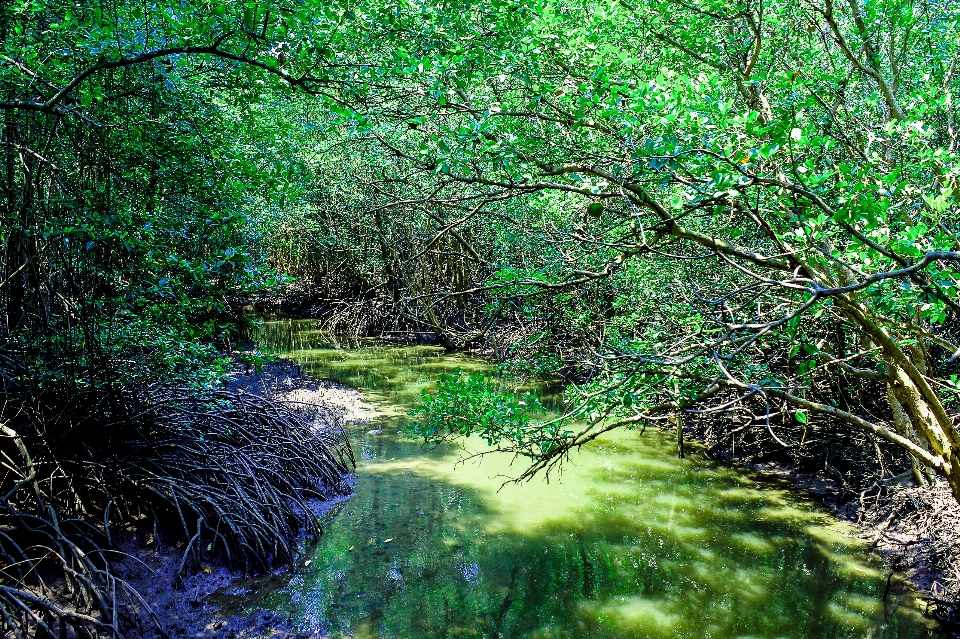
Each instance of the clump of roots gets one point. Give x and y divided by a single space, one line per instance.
232 475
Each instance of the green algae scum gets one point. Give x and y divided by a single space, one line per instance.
627 542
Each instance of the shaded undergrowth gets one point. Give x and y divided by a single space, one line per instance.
227 474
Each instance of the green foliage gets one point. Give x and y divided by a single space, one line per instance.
467 404
672 201
778 189
541 363
256 360
137 200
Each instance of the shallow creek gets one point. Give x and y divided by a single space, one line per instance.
628 541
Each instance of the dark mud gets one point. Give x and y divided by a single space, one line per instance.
181 604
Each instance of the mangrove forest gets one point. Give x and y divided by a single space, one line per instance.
493 318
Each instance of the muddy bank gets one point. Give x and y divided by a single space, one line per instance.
916 529
152 568
180 604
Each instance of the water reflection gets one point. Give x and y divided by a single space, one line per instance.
627 542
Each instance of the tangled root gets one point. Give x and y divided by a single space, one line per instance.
229 473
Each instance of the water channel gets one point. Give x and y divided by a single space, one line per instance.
628 542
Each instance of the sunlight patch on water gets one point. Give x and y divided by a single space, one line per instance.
636 616
753 542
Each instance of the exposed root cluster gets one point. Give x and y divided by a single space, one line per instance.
229 474
917 527
356 316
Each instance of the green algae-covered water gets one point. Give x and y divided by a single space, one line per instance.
627 542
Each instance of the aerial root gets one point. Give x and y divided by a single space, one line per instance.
231 474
